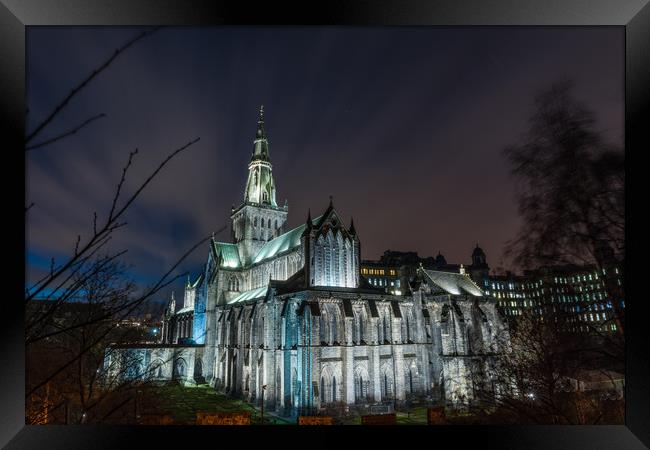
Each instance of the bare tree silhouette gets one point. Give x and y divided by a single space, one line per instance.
570 192
64 353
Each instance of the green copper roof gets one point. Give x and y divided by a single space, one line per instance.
185 309
229 254
453 283
250 295
282 243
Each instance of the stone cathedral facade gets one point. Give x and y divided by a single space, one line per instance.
285 314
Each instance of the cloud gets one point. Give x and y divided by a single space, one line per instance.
403 126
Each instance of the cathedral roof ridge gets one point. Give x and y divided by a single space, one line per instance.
229 254
251 294
281 244
453 283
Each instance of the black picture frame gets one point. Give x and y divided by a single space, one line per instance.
16 15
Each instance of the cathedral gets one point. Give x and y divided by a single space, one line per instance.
285 317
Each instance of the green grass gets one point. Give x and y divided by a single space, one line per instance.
184 402
417 416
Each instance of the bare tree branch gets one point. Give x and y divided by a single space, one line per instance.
65 134
85 83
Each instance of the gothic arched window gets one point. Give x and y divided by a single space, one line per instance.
233 283
361 328
359 387
408 328
324 327
387 335
334 328
444 319
386 386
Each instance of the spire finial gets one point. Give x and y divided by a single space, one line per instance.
260 134
352 230
331 201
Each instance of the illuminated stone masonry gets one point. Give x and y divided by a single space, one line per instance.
289 310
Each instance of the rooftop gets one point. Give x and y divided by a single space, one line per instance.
282 243
229 254
452 283
250 295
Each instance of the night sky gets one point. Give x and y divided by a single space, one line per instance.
404 127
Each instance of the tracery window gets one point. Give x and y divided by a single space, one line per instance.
386 328
233 283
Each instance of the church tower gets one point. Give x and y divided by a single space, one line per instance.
479 270
259 218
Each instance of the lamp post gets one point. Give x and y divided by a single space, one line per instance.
263 389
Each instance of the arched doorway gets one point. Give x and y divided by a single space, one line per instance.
180 369
198 371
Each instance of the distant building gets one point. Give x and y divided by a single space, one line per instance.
395 270
578 297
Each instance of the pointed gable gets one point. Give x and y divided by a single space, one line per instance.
330 221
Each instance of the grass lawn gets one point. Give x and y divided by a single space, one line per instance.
417 416
184 402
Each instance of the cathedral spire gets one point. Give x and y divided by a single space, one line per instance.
260 125
260 187
172 304
261 148
352 230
